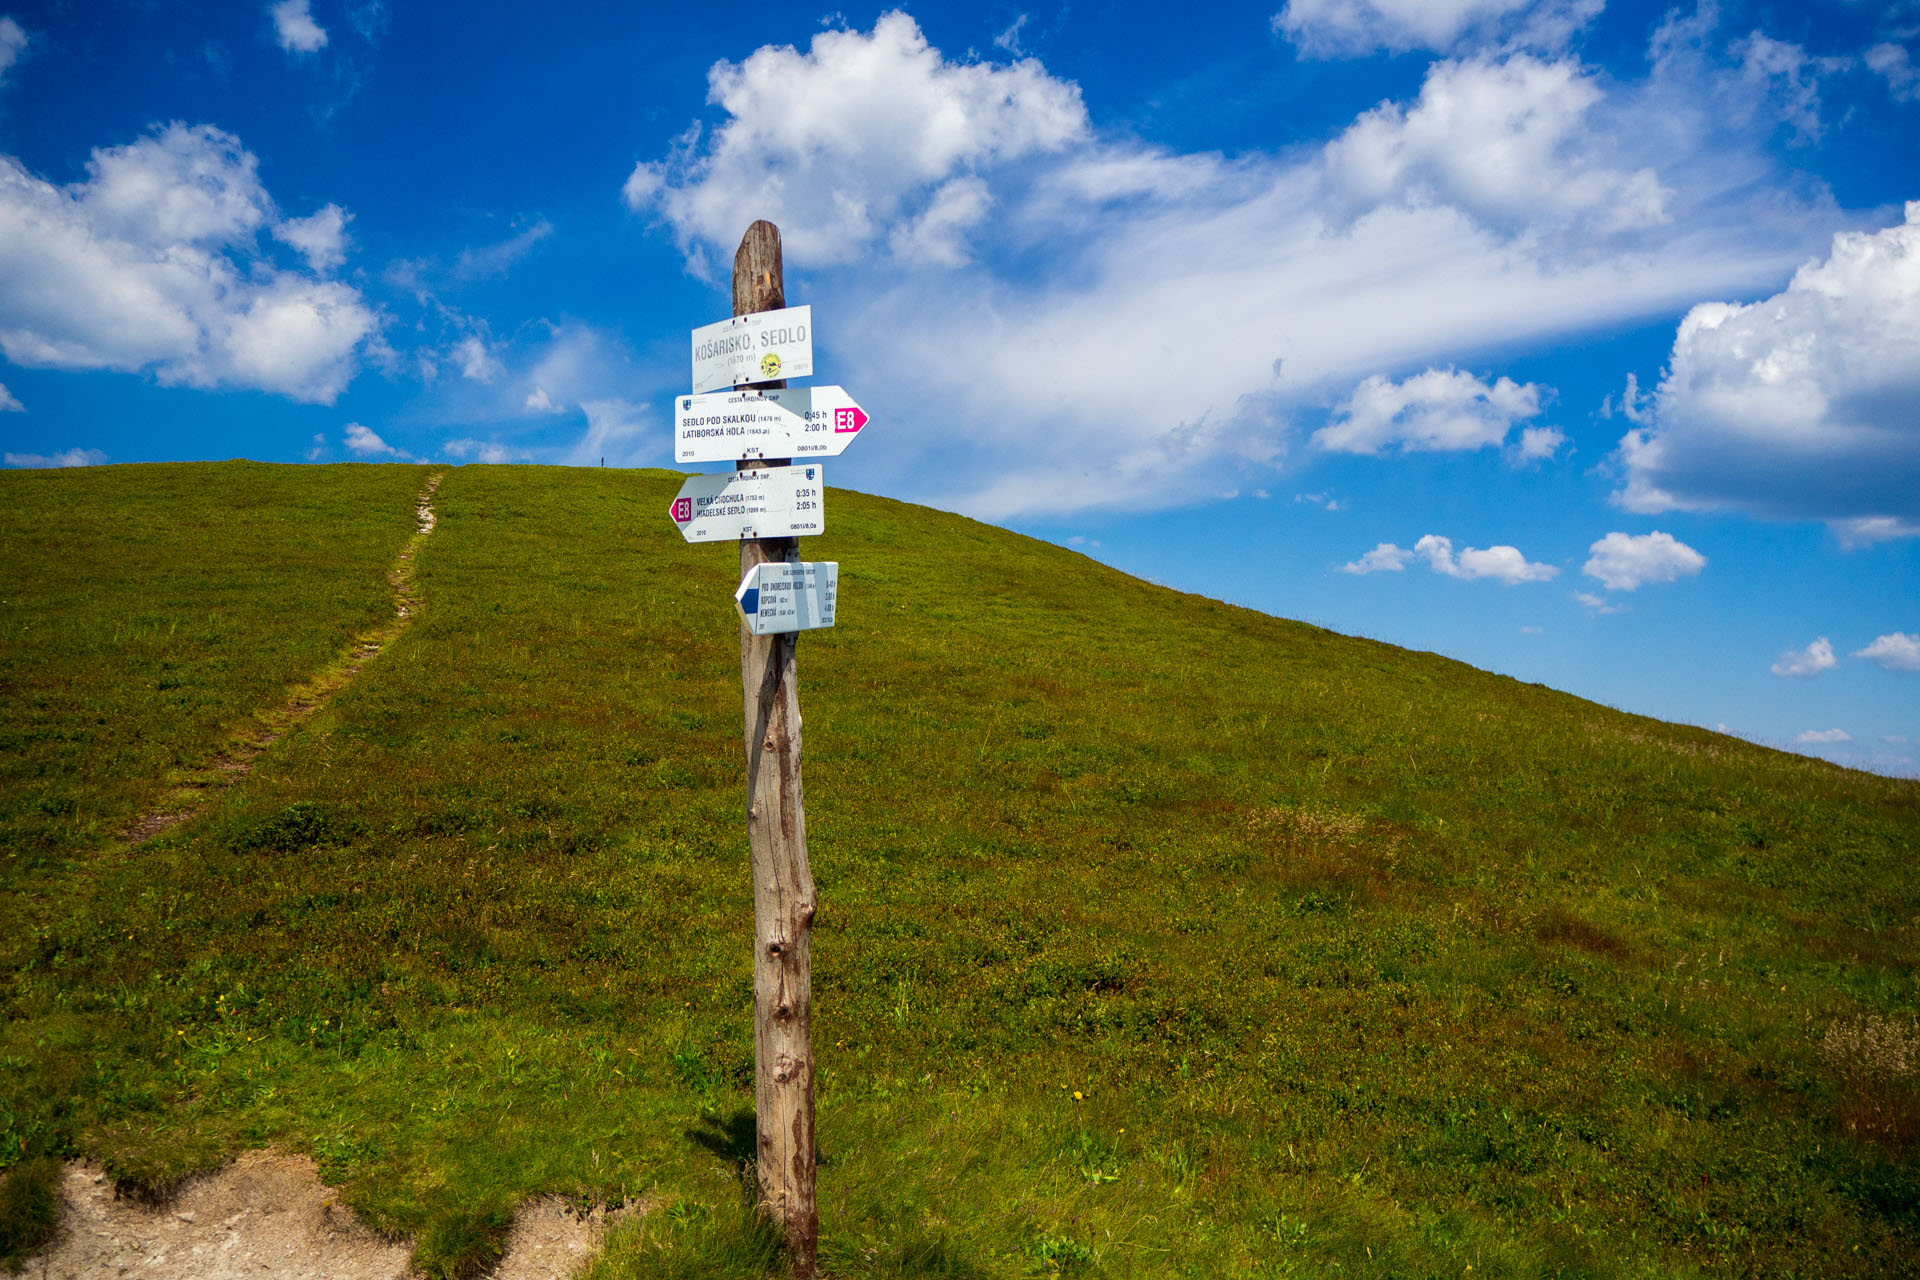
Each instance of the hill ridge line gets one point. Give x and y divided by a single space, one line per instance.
189 793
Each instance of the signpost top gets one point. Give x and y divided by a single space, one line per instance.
764 346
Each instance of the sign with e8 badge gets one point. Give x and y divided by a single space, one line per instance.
773 502
779 596
761 347
795 422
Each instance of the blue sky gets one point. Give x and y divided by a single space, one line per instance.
1579 341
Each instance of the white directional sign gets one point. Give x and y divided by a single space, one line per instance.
793 423
760 347
773 502
780 597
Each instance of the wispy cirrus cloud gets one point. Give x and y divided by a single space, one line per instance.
13 42
1092 321
1354 28
65 458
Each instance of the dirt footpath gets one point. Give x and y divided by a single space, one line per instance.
267 1216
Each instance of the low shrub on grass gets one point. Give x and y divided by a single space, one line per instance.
29 1209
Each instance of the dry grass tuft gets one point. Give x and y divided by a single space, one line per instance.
1319 825
1557 924
1878 1060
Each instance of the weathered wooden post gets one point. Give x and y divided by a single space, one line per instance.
767 502
783 899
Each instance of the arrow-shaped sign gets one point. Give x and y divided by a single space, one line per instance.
792 422
798 596
771 502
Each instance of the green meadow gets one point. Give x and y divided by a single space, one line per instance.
1157 937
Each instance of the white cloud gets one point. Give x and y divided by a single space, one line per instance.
318 449
1824 735
10 403
1538 443
363 441
154 263
1626 562
1800 405
488 451
1786 78
578 364
477 361
938 235
1810 661
293 23
1598 605
1441 409
493 260
617 430
67 458
1132 327
321 237
837 145
1865 531
1902 77
1385 558
1354 28
1506 140
1009 39
1503 564
13 42
1896 651
180 186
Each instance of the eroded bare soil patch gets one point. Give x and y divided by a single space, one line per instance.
267 1216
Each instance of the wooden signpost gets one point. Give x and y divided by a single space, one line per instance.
766 503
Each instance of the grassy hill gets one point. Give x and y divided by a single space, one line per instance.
1157 937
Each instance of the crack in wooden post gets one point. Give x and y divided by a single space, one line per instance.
783 896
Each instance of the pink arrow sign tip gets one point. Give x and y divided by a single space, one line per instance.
849 419
681 509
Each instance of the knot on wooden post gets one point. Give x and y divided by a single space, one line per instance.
785 1067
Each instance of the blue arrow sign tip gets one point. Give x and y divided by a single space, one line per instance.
750 601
